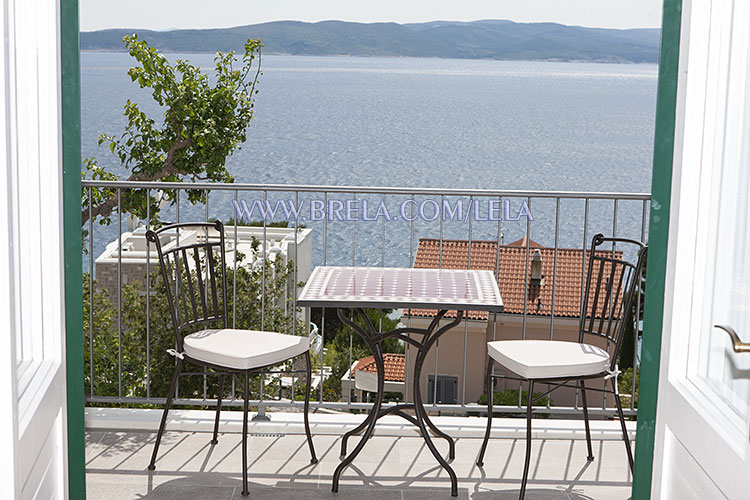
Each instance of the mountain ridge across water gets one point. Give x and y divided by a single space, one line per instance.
485 39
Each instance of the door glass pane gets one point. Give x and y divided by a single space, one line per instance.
727 372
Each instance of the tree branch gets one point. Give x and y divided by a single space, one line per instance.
105 208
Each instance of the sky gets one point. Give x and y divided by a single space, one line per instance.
171 14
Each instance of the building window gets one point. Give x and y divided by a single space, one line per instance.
447 389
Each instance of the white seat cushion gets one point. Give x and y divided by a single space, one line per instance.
535 359
243 349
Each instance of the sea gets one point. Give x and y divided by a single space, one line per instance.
419 123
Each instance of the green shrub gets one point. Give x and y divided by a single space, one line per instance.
625 386
509 397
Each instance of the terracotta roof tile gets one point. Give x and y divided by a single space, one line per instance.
522 243
512 273
395 366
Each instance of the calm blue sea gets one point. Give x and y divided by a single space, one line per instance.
424 123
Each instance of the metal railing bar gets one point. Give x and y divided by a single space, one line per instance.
614 247
176 284
554 270
412 262
466 318
234 271
294 293
262 379
497 277
382 264
187 269
91 293
440 250
263 270
234 280
382 238
323 310
294 272
554 278
474 408
148 296
526 273
437 342
351 333
311 188
119 292
525 293
583 268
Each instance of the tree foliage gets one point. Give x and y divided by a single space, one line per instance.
205 119
625 386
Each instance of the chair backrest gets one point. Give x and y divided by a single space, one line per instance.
193 265
611 285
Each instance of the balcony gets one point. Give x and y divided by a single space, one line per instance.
396 464
124 363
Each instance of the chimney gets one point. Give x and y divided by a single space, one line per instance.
536 268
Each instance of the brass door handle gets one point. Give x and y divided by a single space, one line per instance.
737 344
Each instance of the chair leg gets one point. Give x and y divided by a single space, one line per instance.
528 441
170 396
245 490
625 436
215 440
313 458
490 402
586 420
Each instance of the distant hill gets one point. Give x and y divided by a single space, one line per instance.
489 39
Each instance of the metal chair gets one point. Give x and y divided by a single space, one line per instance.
611 284
193 266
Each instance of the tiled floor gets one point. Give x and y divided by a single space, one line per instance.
389 467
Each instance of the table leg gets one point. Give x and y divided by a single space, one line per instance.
393 409
354 432
373 418
439 433
399 411
372 337
422 418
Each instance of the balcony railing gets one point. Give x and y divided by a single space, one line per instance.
561 220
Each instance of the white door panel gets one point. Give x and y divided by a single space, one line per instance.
703 415
33 423
44 478
685 478
33 438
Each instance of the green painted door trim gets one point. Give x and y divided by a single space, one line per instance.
71 137
661 187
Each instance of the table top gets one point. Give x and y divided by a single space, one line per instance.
393 288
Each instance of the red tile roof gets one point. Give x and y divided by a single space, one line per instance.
512 273
522 243
395 366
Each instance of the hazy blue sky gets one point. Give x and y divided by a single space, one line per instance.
167 14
